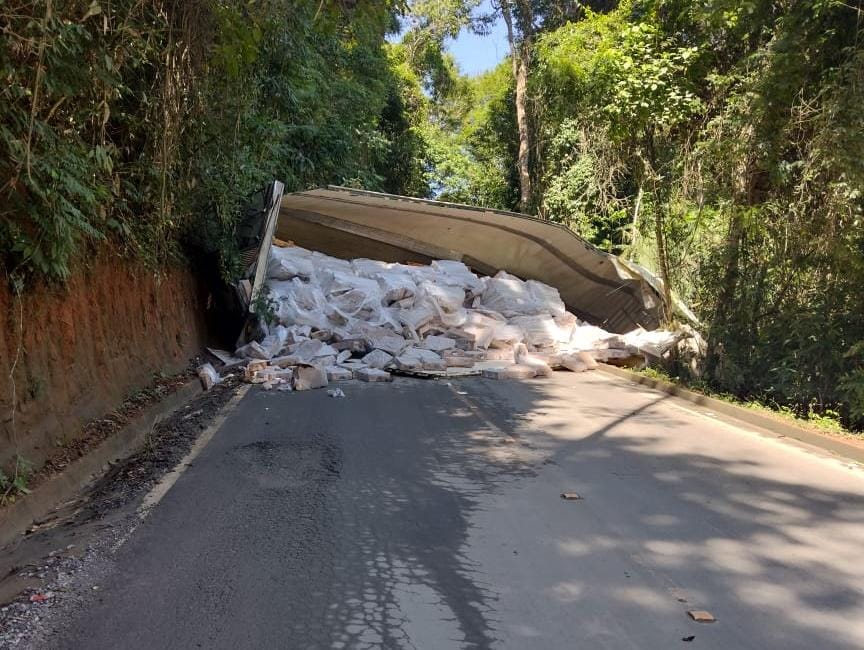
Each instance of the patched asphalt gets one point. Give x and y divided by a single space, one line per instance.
422 514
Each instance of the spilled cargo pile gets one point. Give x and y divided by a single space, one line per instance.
336 320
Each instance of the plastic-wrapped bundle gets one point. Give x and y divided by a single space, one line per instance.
449 298
506 336
416 317
299 303
323 262
589 337
291 262
538 331
511 296
369 268
481 328
546 298
446 300
506 294
363 292
456 274
396 286
655 343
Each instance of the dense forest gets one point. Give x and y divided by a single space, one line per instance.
718 143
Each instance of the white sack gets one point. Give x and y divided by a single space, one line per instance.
589 337
523 358
439 343
416 317
539 331
456 274
420 359
290 262
377 359
546 298
566 323
506 336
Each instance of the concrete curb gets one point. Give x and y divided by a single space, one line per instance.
15 519
779 428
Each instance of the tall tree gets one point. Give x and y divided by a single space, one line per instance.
519 19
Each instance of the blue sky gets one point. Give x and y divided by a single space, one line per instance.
476 54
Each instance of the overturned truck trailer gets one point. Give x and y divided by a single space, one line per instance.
596 286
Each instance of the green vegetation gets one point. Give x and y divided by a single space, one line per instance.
827 422
140 124
15 485
718 143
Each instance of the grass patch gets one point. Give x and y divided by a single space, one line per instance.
11 487
826 422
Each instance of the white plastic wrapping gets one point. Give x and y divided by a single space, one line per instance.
547 300
655 344
537 331
288 263
378 359
396 286
456 274
524 358
406 314
507 295
416 317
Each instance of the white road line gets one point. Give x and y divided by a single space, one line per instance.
154 496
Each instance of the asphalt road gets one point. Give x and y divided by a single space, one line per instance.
427 515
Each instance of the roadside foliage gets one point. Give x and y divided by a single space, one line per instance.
139 125
718 143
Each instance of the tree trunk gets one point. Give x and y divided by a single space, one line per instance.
661 195
663 259
519 54
634 227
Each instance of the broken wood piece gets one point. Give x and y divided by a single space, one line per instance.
510 372
228 360
373 375
335 373
701 616
571 496
355 346
458 362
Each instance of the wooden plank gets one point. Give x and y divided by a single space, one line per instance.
275 203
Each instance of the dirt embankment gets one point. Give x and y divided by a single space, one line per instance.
80 350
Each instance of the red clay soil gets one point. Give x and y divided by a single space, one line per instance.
95 432
86 347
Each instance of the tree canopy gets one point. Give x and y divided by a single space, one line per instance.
718 143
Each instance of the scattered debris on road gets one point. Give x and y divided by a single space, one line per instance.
373 375
701 616
36 585
208 376
332 320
